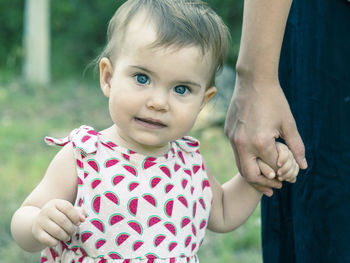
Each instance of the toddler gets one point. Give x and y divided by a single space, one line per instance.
140 191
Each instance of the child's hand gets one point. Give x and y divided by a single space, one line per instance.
57 221
288 167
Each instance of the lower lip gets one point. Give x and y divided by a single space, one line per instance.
149 125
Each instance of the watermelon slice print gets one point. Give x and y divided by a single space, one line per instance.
95 183
126 157
132 206
192 143
188 240
115 218
81 201
158 240
168 207
185 221
194 245
99 243
136 226
148 162
194 210
184 183
96 204
112 196
80 164
130 169
85 138
171 227
102 260
86 174
114 255
85 236
188 171
194 230
93 132
165 170
150 199
176 167
94 165
152 220
151 256
53 253
168 188
183 200
121 238
137 244
180 155
155 181
205 184
80 182
43 259
98 224
111 162
172 245
203 224
133 185
201 201
195 168
117 179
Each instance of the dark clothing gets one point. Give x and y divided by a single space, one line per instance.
309 221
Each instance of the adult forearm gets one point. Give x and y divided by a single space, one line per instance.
21 228
262 35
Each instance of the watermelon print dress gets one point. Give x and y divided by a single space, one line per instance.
140 209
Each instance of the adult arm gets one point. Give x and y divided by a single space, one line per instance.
259 112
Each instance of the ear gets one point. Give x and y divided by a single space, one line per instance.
106 75
209 93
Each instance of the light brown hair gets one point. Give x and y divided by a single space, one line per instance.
178 23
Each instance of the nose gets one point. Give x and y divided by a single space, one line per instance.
158 100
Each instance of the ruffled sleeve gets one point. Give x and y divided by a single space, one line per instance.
84 139
188 144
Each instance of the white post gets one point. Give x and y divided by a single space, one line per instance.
36 63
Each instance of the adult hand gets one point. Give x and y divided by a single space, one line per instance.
258 114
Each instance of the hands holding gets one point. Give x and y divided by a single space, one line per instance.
57 221
259 113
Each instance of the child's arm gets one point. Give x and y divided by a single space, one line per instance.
234 201
47 214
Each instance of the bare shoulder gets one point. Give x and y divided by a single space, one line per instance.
59 182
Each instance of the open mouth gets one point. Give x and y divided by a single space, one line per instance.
150 123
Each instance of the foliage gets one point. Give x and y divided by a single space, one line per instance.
78 32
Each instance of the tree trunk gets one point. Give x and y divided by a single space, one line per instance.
36 63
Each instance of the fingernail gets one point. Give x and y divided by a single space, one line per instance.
272 175
304 163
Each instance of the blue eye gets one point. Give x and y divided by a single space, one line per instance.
182 90
142 79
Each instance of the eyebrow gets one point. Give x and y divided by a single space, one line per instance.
186 82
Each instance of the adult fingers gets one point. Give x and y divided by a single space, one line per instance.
266 170
292 137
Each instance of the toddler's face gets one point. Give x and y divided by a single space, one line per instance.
155 94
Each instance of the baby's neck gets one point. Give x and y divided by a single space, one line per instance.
112 134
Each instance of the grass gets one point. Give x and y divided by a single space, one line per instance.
29 113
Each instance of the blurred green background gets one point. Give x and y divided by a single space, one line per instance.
28 112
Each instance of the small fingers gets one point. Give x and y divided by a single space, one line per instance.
46 239
73 214
64 223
